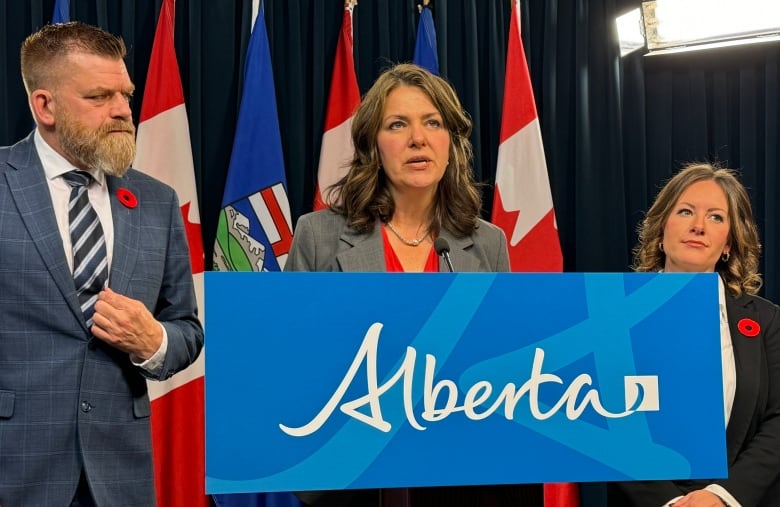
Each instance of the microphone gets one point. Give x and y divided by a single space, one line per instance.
442 248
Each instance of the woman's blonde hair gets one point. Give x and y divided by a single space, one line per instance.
740 270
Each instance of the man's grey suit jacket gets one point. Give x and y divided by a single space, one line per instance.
68 400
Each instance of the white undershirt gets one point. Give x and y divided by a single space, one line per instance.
727 354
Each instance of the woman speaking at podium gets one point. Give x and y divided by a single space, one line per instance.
410 182
702 221
409 186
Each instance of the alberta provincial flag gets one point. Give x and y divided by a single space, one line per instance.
344 97
254 231
425 49
164 151
61 11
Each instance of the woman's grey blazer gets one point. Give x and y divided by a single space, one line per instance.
324 242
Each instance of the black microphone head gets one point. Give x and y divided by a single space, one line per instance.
441 246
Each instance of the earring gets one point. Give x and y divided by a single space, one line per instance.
661 246
725 257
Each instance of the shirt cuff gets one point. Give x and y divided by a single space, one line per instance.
724 495
154 364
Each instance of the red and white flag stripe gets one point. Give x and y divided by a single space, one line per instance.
272 209
164 151
523 205
344 97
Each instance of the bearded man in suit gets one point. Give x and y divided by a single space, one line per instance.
83 327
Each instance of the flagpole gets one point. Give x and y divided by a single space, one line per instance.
519 16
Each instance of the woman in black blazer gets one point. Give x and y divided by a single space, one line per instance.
702 221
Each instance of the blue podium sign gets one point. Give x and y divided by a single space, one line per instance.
364 380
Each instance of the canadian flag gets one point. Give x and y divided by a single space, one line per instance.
344 97
522 205
164 151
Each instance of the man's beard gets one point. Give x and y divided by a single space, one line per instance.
98 149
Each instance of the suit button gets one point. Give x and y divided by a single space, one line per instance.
92 344
86 406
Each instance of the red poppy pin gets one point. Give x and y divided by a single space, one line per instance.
749 327
127 198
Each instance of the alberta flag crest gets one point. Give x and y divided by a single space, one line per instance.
254 233
254 230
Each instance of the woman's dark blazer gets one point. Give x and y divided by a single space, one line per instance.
753 432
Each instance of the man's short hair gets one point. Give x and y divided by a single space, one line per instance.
44 51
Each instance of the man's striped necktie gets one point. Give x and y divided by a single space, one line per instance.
90 264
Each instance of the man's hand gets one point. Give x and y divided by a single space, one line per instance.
700 498
126 324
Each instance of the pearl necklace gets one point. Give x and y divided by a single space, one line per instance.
410 242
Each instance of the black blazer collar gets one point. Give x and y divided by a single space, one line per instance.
742 311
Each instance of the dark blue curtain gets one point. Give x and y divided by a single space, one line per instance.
614 128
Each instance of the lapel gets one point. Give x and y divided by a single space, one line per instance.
747 358
462 260
366 252
127 233
30 193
